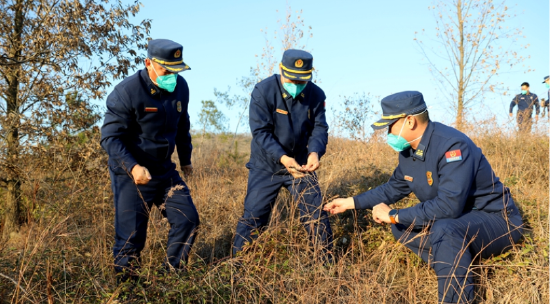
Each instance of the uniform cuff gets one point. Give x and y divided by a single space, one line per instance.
405 216
319 152
360 204
279 156
185 162
130 166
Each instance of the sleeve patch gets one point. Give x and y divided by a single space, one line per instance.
453 156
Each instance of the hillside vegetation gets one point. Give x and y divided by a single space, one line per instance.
63 255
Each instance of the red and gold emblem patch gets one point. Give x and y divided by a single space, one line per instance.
453 156
177 54
430 179
299 63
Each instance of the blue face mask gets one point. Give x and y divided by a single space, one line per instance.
166 82
523 92
294 88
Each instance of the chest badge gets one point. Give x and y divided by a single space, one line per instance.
408 178
429 177
282 112
178 106
151 109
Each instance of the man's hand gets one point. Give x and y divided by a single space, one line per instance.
511 114
381 213
141 175
536 118
292 166
187 170
339 205
312 162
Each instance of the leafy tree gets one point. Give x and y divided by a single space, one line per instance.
56 56
210 118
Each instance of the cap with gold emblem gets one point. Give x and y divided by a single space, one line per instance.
399 105
297 65
168 54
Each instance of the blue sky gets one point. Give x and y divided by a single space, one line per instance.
358 46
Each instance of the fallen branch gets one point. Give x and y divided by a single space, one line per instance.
14 282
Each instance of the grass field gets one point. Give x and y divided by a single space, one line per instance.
63 255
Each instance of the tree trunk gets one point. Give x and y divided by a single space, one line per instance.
13 217
461 67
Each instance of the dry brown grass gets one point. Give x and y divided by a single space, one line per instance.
64 255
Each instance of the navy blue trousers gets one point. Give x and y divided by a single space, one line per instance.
132 205
452 244
263 188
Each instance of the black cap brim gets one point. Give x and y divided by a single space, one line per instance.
176 68
383 123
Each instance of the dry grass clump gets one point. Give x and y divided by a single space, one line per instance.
64 254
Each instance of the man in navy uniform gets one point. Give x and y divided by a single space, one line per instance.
546 82
525 102
462 202
146 119
290 134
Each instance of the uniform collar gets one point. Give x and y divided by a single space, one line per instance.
285 94
420 152
151 87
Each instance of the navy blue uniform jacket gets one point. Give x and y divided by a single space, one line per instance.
526 102
447 172
143 124
282 125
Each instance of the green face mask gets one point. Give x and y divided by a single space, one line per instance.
523 92
166 82
547 85
397 142
294 88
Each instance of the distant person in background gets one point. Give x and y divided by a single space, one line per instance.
289 136
525 102
546 103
